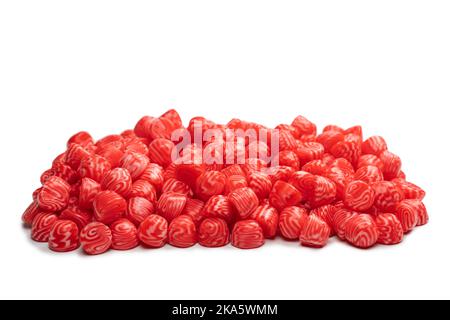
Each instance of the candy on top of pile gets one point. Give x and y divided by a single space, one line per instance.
214 184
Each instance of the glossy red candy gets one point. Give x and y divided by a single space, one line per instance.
95 238
54 195
247 234
359 196
30 213
387 196
42 225
267 217
244 201
213 232
315 232
361 231
171 205
94 167
219 207
194 209
291 222
77 215
109 207
138 209
88 191
209 184
182 232
407 212
118 180
374 145
390 230
64 236
135 163
284 195
153 231
124 235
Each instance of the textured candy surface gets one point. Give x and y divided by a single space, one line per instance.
153 231
247 234
292 221
361 231
109 206
315 232
390 230
213 232
182 232
124 235
239 182
64 236
95 238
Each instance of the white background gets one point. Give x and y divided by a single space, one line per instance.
101 65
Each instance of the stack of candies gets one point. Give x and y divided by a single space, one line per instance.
124 190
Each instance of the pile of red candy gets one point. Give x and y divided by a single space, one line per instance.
124 191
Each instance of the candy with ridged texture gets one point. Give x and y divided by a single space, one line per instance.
361 231
95 238
326 213
235 182
392 165
118 180
410 190
260 183
267 218
370 160
407 212
135 163
284 195
209 184
315 233
247 234
219 207
308 151
194 209
390 230
182 232
349 149
64 236
143 189
82 138
329 138
359 196
153 231
154 174
369 174
88 191
340 219
292 221
305 182
42 225
170 205
387 196
189 173
289 158
422 214
77 215
143 127
324 192
160 151
74 154
94 167
30 213
54 195
138 209
109 207
124 235
374 145
213 233
303 126
244 201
